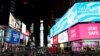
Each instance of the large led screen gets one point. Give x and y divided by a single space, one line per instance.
84 31
12 36
63 37
79 12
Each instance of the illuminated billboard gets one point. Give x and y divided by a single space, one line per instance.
12 21
12 36
79 12
91 31
23 28
63 37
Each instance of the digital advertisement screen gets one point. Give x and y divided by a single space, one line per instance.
91 31
85 45
90 43
12 36
1 37
1 34
15 39
63 37
8 34
79 12
76 46
55 39
23 28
